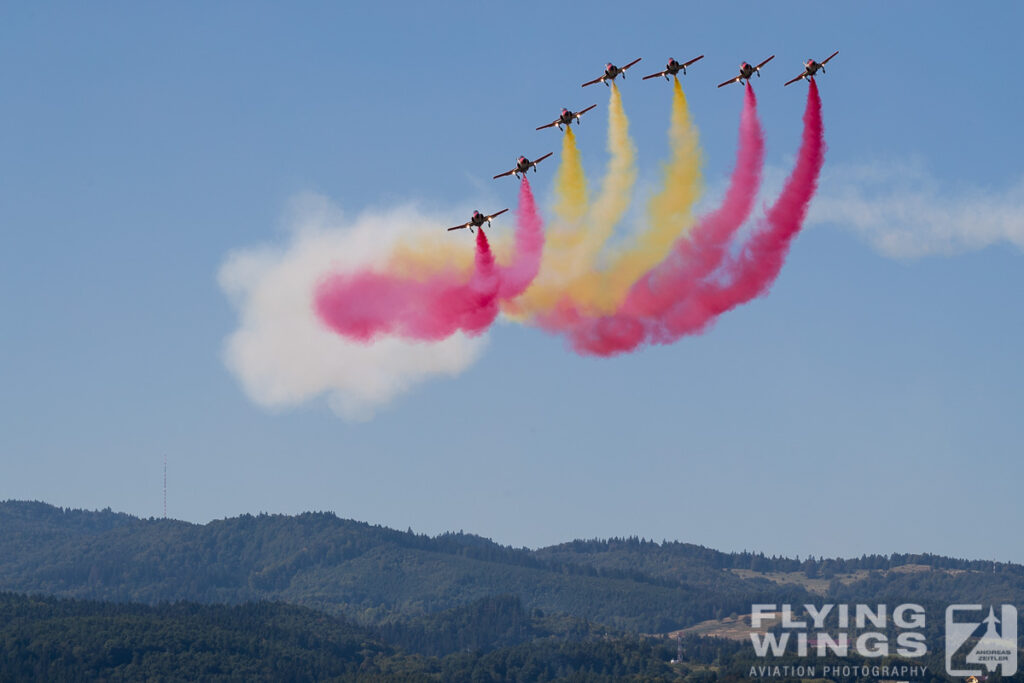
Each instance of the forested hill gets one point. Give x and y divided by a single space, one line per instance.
374 574
60 639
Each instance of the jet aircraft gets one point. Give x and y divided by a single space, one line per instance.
522 166
611 72
673 67
746 71
566 118
477 220
811 67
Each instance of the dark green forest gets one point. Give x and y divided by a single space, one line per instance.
329 598
46 638
49 639
371 574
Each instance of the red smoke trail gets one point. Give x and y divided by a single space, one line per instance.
698 255
518 275
367 304
747 276
694 258
753 271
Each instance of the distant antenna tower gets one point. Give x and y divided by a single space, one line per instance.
165 487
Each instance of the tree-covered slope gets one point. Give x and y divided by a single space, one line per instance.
344 567
51 639
374 574
60 639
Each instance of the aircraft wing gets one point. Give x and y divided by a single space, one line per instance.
695 59
829 57
731 80
495 215
765 62
502 175
794 80
631 63
459 227
660 73
537 161
596 80
548 125
581 112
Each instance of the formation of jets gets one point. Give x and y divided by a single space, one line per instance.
567 117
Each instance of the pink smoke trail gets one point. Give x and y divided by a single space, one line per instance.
368 304
697 256
694 257
757 266
518 275
747 276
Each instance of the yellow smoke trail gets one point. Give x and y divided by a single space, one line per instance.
568 231
570 188
671 210
670 213
562 236
425 255
575 241
616 191
571 266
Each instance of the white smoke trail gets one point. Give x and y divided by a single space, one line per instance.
282 354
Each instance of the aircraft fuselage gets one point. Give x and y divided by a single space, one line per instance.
522 165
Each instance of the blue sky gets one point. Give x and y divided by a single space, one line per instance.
870 403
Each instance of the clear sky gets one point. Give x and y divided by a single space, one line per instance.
871 403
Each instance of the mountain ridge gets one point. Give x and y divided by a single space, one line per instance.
372 574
